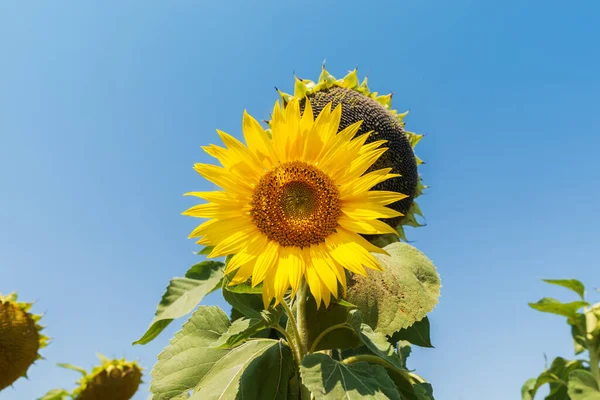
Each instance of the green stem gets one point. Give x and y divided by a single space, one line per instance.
292 323
302 323
594 369
325 332
302 330
292 343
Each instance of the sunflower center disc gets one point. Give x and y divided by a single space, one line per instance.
296 204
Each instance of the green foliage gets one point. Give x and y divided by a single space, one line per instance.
417 334
183 295
260 353
575 379
583 386
329 379
402 294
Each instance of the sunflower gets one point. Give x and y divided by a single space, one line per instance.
20 339
112 380
294 202
378 116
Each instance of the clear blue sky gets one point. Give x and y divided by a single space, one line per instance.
104 106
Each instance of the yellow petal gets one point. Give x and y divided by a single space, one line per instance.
265 262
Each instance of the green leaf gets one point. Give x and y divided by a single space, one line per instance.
404 349
257 369
403 293
249 305
243 329
183 295
556 376
579 337
243 288
572 284
73 367
583 386
403 384
329 379
526 389
554 306
55 394
417 334
346 304
424 391
376 342
189 355
206 250
319 319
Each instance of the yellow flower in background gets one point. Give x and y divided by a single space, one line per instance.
295 202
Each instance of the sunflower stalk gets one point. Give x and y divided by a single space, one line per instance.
302 331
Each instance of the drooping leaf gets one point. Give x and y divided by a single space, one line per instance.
527 388
417 334
183 295
572 284
256 369
553 306
583 386
329 379
189 355
403 293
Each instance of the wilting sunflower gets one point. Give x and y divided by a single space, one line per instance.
378 116
295 202
20 339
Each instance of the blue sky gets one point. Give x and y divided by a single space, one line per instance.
104 107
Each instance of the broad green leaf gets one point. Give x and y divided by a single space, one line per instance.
328 379
249 305
554 306
403 384
556 376
243 329
73 368
257 369
323 318
526 389
403 293
56 394
583 386
376 342
183 295
572 284
424 391
417 334
189 356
